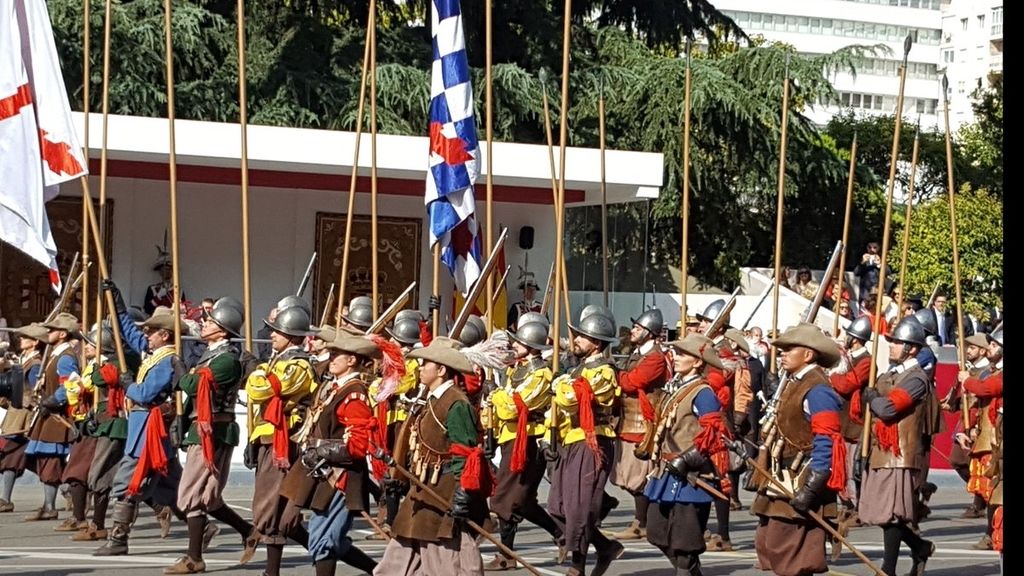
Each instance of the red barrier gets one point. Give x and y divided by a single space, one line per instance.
942 443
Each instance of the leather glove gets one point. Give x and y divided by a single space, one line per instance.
690 461
250 456
434 303
549 451
310 458
108 284
50 404
395 486
460 503
869 394
126 379
335 454
490 446
812 491
858 469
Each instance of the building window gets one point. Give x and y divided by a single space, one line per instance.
963 23
997 21
981 21
947 56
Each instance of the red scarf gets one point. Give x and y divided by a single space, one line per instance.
711 442
382 422
154 456
371 428
426 336
275 416
518 462
827 423
115 394
888 434
585 400
856 408
204 414
477 475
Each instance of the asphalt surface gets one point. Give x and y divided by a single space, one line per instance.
33 548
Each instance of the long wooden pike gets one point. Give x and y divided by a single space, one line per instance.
243 122
873 374
489 138
779 207
478 286
392 310
501 286
86 108
846 233
559 208
604 192
906 223
374 239
684 257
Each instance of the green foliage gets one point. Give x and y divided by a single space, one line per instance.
982 141
979 227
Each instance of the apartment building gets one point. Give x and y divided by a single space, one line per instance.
970 50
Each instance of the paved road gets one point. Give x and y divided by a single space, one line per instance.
33 549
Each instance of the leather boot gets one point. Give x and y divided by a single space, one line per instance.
90 533
605 558
117 541
632 532
358 559
920 559
163 516
688 565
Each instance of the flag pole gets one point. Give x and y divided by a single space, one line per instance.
436 287
604 191
906 223
86 80
172 161
489 114
563 130
779 207
554 190
846 235
350 212
684 260
898 122
373 167
243 112
105 112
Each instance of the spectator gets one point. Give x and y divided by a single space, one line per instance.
878 325
207 305
758 347
869 269
942 319
805 286
844 309
832 291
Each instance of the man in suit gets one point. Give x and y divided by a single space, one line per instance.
944 332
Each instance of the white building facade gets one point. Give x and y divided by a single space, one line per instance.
971 50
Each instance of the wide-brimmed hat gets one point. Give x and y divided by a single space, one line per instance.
980 340
358 345
737 337
36 331
444 351
161 319
699 346
62 321
327 333
810 336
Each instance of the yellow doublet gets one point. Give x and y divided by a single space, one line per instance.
297 381
535 390
606 390
76 386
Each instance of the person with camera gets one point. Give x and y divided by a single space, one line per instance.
14 442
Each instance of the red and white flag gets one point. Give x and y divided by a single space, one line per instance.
39 148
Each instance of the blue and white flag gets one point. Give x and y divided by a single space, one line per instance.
454 149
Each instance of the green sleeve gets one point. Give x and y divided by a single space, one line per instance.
461 430
224 367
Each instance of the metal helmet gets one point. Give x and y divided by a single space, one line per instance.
532 335
996 335
230 301
107 337
599 325
292 321
533 317
591 309
926 317
712 311
909 331
408 315
473 332
360 312
652 320
137 315
293 301
406 329
225 315
860 329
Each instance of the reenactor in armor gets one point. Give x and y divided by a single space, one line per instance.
277 391
445 454
898 407
49 438
987 387
802 445
335 439
211 390
103 379
722 382
850 386
359 314
975 361
690 434
472 334
584 402
641 379
519 408
933 423
145 471
13 460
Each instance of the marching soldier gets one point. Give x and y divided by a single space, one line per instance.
960 452
336 437
321 357
850 386
80 395
50 435
211 388
690 434
898 404
13 460
429 536
148 469
987 387
277 392
519 419
802 445
358 314
585 398
743 400
641 379
528 286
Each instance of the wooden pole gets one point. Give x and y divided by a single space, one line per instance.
846 233
684 258
779 208
350 212
604 193
101 258
906 223
950 190
873 374
489 120
559 209
172 161
374 241
563 130
86 107
105 112
436 288
243 110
